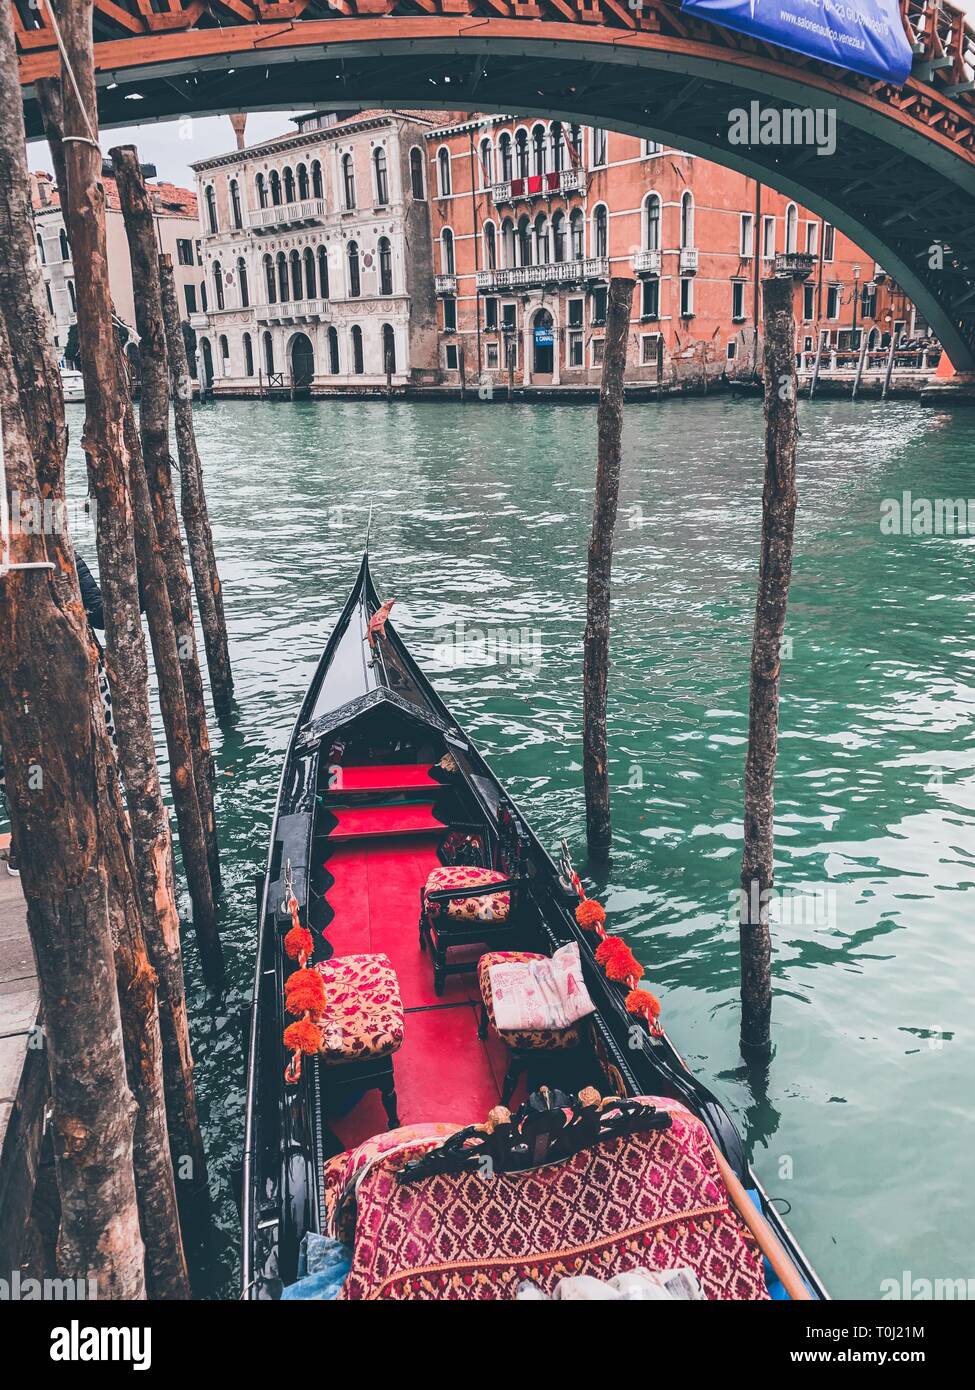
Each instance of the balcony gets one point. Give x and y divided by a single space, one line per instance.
287 215
445 284
540 186
794 265
646 262
688 260
298 311
555 273
199 322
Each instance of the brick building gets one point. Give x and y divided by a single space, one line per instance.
529 218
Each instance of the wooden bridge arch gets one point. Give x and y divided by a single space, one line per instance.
901 183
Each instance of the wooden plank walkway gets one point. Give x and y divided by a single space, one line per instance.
22 1071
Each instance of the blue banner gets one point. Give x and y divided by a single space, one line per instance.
867 36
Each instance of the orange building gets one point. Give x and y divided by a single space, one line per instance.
530 217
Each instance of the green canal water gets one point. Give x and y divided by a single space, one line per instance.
480 523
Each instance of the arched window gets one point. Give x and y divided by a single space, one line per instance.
504 150
687 219
65 249
302 172
382 179
490 246
242 286
443 172
248 355
558 147
416 173
323 272
521 153
542 240
389 348
524 240
385 266
268 353
40 249
599 147
296 275
275 182
269 282
791 228
651 222
358 366
352 260
289 186
283 289
558 235
309 272
487 163
447 251
538 150
207 355
211 202
317 187
577 233
348 181
600 231
333 351
224 355
261 187
235 208
218 284
50 297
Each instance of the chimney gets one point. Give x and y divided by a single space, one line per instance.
238 120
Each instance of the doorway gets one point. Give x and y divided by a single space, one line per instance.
302 362
543 346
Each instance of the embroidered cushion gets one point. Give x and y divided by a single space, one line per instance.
491 907
653 1201
363 1009
544 1039
404 1143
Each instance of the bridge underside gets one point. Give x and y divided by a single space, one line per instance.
900 188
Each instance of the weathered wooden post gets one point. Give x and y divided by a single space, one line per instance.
154 421
609 428
774 573
814 379
193 504
890 366
860 362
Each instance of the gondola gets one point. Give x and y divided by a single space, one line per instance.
384 808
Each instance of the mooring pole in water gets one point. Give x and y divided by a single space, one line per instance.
814 379
861 360
890 367
609 430
193 504
774 573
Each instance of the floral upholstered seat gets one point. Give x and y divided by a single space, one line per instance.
363 1009
528 1040
488 907
341 1171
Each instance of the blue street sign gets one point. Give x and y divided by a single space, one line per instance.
543 337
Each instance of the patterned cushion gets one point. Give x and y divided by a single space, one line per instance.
651 1200
548 1038
408 1141
492 907
363 1010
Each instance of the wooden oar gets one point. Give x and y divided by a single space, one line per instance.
768 1242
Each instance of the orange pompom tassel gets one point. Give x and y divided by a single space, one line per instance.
302 1037
641 1001
607 947
299 943
623 965
590 914
304 993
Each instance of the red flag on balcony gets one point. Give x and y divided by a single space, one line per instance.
517 188
552 179
535 183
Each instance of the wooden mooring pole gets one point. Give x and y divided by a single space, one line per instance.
774 573
193 505
609 429
861 360
889 369
814 379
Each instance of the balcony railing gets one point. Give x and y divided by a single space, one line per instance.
446 284
646 262
296 311
794 265
287 215
554 273
540 185
688 260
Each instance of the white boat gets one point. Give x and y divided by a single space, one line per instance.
73 384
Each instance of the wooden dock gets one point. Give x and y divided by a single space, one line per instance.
23 1073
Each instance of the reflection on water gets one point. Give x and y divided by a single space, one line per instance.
480 516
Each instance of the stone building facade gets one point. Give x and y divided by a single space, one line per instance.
530 217
177 234
317 262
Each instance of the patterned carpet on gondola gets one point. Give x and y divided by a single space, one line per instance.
647 1200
